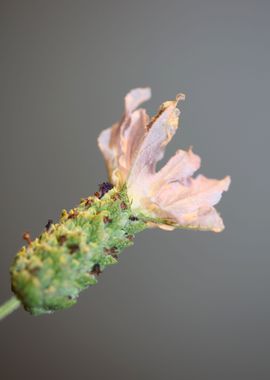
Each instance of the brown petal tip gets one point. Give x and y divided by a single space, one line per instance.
180 97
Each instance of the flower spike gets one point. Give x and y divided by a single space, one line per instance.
49 272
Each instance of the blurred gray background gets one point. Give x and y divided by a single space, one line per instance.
179 305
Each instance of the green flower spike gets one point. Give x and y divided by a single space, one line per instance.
49 272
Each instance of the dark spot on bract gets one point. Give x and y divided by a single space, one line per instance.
107 220
104 187
26 236
123 206
73 247
112 252
116 197
133 218
88 202
34 270
61 239
96 269
73 214
49 224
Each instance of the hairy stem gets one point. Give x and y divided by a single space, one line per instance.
8 307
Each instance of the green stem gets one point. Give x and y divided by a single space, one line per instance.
8 307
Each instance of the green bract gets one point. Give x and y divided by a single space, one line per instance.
52 270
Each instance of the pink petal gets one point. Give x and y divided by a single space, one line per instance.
136 97
160 131
191 206
205 219
202 192
181 166
132 137
106 150
119 143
